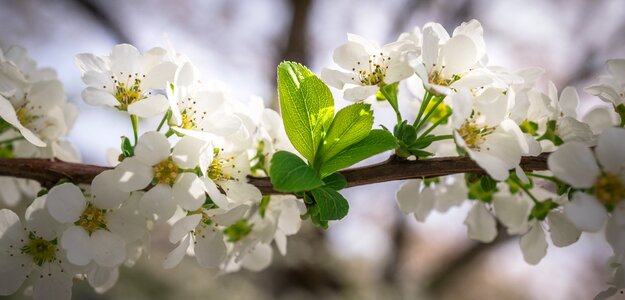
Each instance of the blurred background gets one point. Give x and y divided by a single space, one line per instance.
375 252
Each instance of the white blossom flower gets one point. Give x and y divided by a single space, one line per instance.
448 62
92 232
197 106
127 79
31 250
482 129
173 187
601 175
368 67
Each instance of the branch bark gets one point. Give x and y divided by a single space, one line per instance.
49 172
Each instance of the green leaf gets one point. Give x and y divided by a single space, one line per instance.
620 110
331 204
335 181
307 107
351 124
376 142
289 173
127 148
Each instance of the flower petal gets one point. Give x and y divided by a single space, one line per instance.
610 150
175 257
183 227
157 203
359 93
109 249
585 212
512 212
189 192
406 195
133 174
575 164
105 191
534 244
481 224
13 272
563 232
65 202
210 249
96 96
149 107
259 258
152 148
77 244
187 152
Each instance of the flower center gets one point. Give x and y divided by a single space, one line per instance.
128 92
474 135
436 78
374 73
609 189
165 172
24 116
42 251
92 219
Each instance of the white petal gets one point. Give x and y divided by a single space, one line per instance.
290 220
425 204
459 54
359 93
512 212
127 223
11 229
109 249
175 257
7 113
187 152
89 62
55 284
77 244
336 78
214 193
406 195
585 212
189 192
210 249
349 54
563 232
133 174
259 258
152 148
149 107
281 242
574 163
615 230
481 224
534 244
105 192
569 101
157 203
229 217
494 166
96 96
158 76
125 60
610 150
185 75
65 202
183 227
101 277
39 220
12 274
241 192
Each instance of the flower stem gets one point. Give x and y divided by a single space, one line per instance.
430 113
135 127
439 122
524 188
424 104
165 117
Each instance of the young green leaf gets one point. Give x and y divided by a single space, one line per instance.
331 204
335 181
307 107
376 142
289 173
351 124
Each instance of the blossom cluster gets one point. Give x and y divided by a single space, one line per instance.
192 170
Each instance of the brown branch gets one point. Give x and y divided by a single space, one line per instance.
49 172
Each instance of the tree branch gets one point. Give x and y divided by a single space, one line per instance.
49 172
